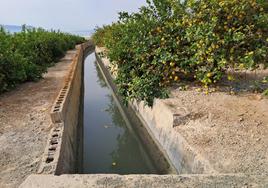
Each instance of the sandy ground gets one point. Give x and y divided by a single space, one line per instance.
229 130
25 124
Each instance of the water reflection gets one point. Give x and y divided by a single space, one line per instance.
100 77
109 145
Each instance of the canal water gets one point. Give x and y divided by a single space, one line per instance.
110 144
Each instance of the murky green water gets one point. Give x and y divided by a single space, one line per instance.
110 145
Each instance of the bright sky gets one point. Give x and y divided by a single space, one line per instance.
67 15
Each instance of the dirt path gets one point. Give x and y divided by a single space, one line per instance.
230 131
25 124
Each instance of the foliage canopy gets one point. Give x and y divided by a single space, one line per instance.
25 56
168 41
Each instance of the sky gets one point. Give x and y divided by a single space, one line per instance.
66 15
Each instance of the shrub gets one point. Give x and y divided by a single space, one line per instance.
168 41
25 56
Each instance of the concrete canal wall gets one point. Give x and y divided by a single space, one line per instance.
148 181
156 154
60 155
159 122
64 144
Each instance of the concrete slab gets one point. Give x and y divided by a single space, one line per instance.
139 181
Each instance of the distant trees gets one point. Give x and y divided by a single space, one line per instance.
25 56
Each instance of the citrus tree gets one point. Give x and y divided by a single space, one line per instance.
168 41
25 56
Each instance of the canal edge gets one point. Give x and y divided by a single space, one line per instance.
159 121
60 152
